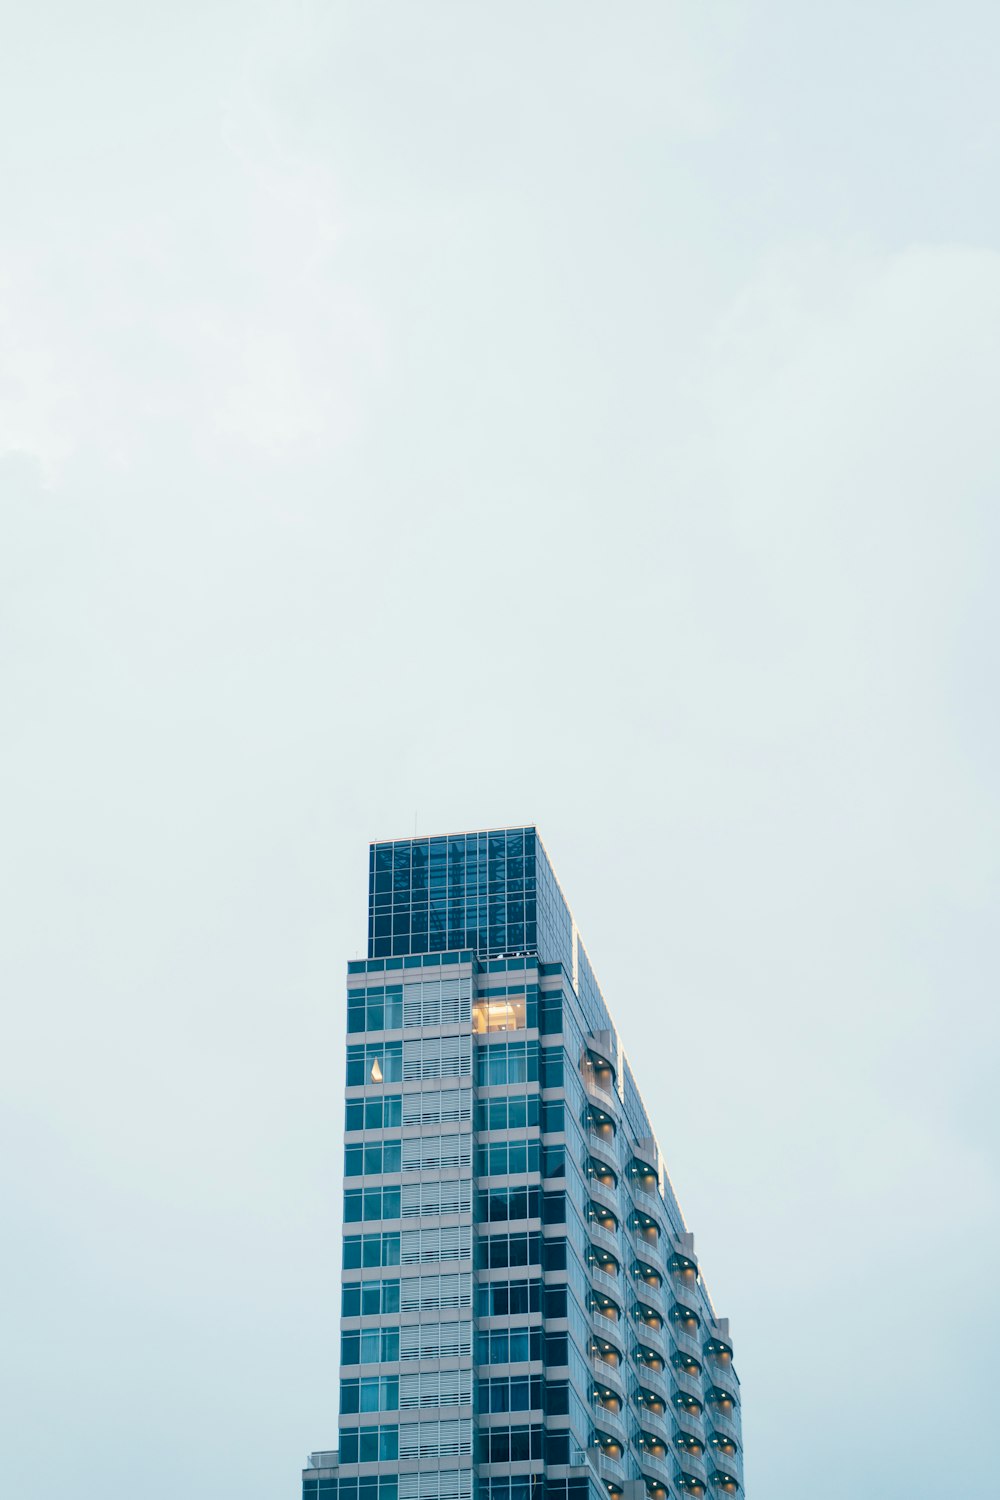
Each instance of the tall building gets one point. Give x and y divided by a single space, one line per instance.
523 1315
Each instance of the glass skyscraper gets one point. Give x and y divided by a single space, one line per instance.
523 1315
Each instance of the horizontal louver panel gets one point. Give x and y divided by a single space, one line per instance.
437 1388
428 1293
424 1246
420 1199
435 1341
435 1153
437 1057
437 1002
434 1439
438 1107
436 1484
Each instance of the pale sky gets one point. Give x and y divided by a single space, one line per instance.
442 415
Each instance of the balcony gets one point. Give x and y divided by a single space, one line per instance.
684 1342
653 1344
725 1483
651 1202
730 1464
603 1280
688 1414
600 1091
601 1235
688 1438
601 1140
724 1424
685 1321
723 1378
649 1296
607 1358
656 1463
685 1290
604 1196
658 1423
611 1422
604 1311
688 1385
694 1464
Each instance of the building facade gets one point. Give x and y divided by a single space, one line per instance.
522 1311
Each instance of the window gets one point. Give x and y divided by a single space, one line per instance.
369 1346
508 1113
374 1062
375 1009
510 1393
557 1398
507 1062
557 1447
497 1204
367 1487
509 1445
499 1013
550 1014
552 1068
509 1346
370 1250
369 1160
381 1113
499 1299
523 1487
555 1208
368 1445
555 1255
508 1250
369 1393
371 1203
364 1298
554 1161
506 1158
553 1117
556 1348
555 1302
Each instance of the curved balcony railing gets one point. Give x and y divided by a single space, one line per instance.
611 1422
604 1148
605 1281
685 1342
686 1292
694 1464
688 1385
650 1464
608 1374
649 1296
723 1376
660 1425
606 1238
603 1097
607 1197
725 1426
726 1463
651 1202
657 1382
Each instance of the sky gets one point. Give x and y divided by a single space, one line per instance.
440 415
